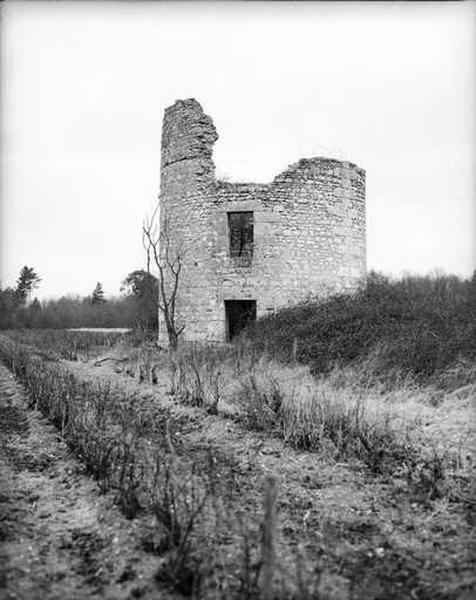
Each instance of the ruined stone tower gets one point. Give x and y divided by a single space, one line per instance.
248 249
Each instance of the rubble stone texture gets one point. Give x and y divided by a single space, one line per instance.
308 229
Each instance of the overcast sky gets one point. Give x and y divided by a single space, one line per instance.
389 86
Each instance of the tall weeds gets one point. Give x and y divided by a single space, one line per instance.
196 535
70 345
344 415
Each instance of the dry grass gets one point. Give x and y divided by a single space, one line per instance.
68 344
340 414
190 498
388 485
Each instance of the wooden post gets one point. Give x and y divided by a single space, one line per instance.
268 552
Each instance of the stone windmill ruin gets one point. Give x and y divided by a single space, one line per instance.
253 248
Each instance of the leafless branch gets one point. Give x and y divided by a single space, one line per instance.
169 263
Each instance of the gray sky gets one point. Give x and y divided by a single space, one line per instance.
389 86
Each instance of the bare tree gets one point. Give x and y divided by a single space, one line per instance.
168 259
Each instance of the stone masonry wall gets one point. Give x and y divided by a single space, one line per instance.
309 228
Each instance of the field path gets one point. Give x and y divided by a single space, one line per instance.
363 537
59 539
371 538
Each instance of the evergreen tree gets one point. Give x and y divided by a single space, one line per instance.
98 295
27 282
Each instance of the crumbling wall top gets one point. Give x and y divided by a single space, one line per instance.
187 132
314 166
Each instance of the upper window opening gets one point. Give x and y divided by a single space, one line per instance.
240 226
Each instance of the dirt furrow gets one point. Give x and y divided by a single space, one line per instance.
58 537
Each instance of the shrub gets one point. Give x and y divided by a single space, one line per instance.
416 325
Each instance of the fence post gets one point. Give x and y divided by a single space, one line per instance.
268 551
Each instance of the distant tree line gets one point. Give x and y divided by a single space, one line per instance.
136 308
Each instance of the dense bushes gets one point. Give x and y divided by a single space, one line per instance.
416 325
69 311
136 309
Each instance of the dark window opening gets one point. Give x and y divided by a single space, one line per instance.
239 314
240 226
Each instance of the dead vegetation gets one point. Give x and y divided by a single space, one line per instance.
356 489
